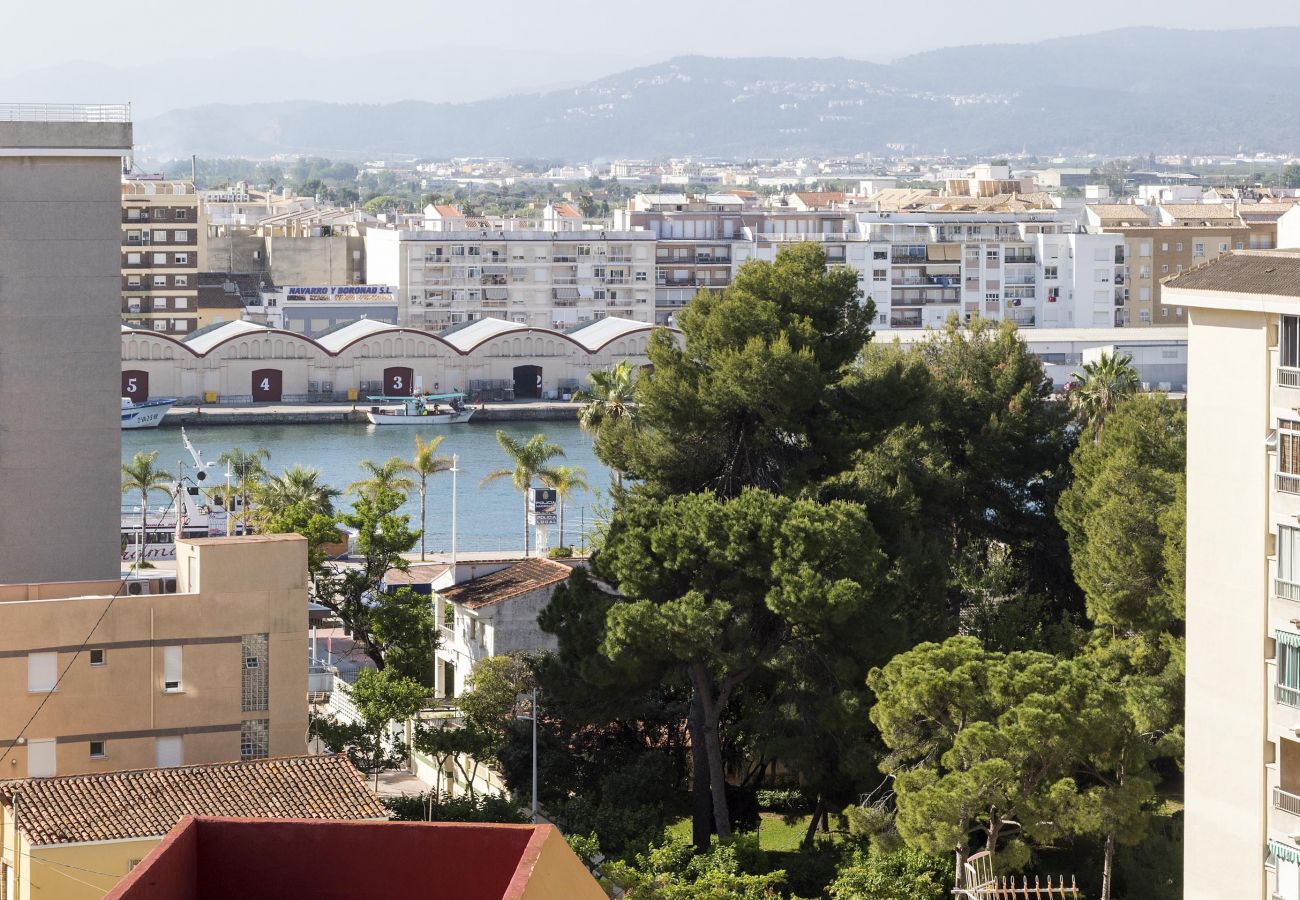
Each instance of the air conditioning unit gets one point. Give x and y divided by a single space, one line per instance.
168 585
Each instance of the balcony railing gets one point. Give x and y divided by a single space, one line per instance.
65 112
1287 696
1288 377
1286 483
1286 801
1286 590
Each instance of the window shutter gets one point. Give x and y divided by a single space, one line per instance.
42 671
172 668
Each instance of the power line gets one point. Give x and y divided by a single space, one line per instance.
50 693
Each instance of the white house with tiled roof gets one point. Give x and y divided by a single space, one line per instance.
493 613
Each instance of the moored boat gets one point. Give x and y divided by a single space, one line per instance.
147 414
419 409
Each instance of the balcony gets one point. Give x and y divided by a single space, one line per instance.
1286 589
1287 377
1287 696
1286 801
1286 483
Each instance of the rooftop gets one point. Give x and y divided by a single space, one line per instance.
1271 272
65 112
524 576
147 803
210 857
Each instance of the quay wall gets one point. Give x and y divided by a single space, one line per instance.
323 414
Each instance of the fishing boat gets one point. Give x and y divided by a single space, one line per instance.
147 414
419 409
190 513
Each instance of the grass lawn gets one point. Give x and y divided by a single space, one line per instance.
774 834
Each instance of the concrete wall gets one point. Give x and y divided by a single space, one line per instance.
1227 606
314 260
72 873
60 301
249 585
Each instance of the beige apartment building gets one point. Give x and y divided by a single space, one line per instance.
1165 240
60 437
1242 826
207 666
162 255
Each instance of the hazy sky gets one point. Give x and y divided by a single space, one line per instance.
440 50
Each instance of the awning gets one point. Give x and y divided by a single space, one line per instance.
566 293
494 270
1284 852
494 293
518 272
1287 637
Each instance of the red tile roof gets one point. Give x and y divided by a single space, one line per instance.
524 576
145 803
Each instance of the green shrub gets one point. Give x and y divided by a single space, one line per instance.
560 552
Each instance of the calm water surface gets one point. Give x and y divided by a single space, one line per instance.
488 518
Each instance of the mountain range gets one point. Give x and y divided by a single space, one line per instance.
1130 91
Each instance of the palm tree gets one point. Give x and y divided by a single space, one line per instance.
141 475
249 470
607 401
297 484
426 462
530 459
1104 385
383 476
566 480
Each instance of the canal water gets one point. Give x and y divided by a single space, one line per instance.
488 518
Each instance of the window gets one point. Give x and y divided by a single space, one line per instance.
1289 354
179 237
180 303
98 657
161 212
1144 294
42 672
98 750
1144 249
181 280
991 255
1178 247
254 742
160 281
1144 316
254 696
1178 268
1050 273
1178 312
41 758
160 259
1241 245
880 254
159 236
640 276
1164 248
1288 553
133 259
159 324
133 281
879 274
1223 248
1288 668
1198 248
172 669
159 302
182 259
133 213
1164 269
168 751
1164 312
991 297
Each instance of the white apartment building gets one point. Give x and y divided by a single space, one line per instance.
1242 789
551 279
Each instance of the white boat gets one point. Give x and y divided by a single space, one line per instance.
200 516
420 409
147 414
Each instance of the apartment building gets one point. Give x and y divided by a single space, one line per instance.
207 666
524 275
161 254
1164 240
60 290
1242 791
296 246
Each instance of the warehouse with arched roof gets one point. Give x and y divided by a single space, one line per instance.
490 359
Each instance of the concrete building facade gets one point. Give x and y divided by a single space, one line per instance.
207 666
60 296
1242 761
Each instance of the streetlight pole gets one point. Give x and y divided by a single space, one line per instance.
455 470
534 754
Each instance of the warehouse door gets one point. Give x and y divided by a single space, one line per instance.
528 382
268 385
135 385
398 381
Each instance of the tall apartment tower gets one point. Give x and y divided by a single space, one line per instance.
60 342
1242 837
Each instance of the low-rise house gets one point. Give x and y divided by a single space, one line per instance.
74 837
220 858
492 614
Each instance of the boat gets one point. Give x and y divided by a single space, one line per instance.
200 515
419 409
147 414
